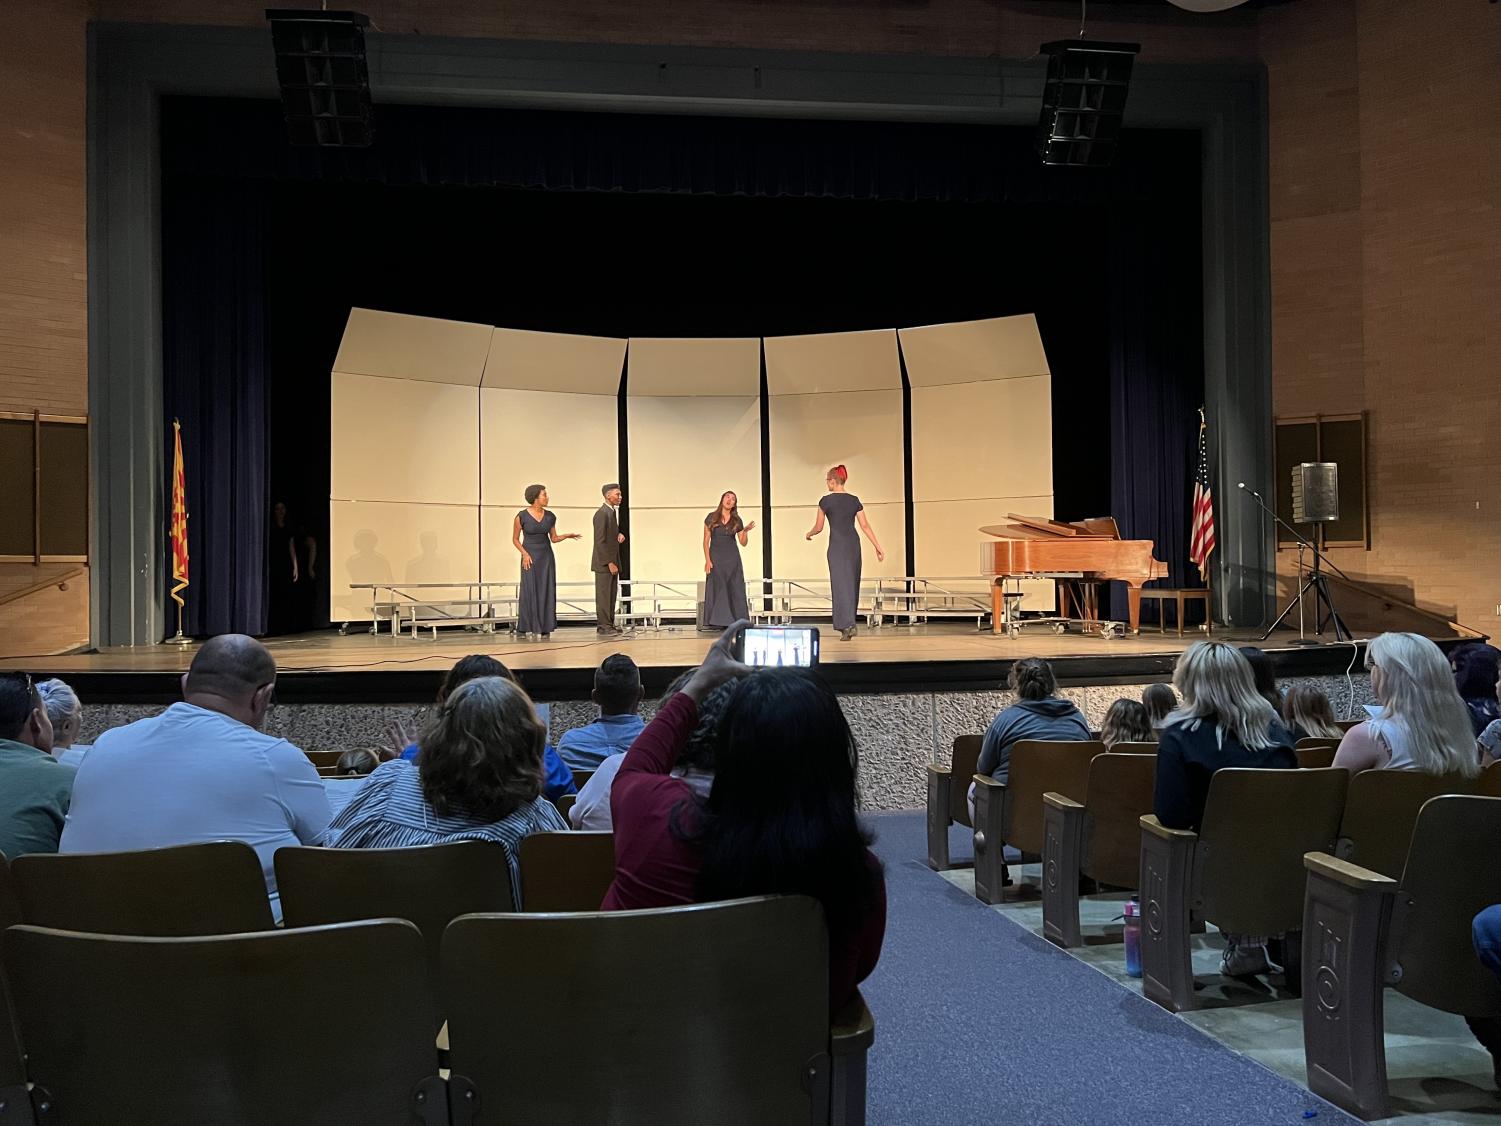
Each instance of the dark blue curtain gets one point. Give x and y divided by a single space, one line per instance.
1156 382
215 379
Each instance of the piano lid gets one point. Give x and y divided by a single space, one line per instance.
1043 528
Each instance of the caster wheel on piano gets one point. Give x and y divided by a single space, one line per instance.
1060 627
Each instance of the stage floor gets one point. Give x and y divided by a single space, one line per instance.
937 656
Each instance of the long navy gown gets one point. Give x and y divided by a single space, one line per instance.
538 609
724 587
843 555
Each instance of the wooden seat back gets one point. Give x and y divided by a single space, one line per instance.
324 758
1258 823
1134 748
1381 808
429 886
721 1005
1315 741
1315 757
581 777
962 768
1447 881
199 889
1119 794
1489 783
323 1025
566 871
12 1066
1037 768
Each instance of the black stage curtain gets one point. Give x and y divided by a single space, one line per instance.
663 226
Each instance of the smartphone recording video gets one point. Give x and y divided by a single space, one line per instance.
778 646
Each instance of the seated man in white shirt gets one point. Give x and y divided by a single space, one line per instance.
202 770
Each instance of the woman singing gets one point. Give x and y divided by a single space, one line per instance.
533 533
724 589
843 509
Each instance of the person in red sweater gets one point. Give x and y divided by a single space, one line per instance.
780 819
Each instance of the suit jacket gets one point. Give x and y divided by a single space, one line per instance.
606 539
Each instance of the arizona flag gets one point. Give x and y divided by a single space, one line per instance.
1201 536
179 519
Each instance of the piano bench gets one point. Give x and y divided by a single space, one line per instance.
1164 594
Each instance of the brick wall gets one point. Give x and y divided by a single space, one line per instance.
1385 134
54 619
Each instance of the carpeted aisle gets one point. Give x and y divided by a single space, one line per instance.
979 1021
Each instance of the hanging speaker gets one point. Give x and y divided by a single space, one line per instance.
324 79
1315 492
1083 100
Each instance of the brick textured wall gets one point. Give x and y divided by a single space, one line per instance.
43 236
1385 134
52 620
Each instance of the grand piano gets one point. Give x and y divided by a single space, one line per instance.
1034 547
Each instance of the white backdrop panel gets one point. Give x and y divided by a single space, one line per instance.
860 429
687 366
500 562
554 361
668 543
793 557
685 451
379 542
949 540
400 346
833 361
568 442
403 440
979 440
969 351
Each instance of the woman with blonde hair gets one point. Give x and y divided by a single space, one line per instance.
1420 722
478 778
1308 713
1223 721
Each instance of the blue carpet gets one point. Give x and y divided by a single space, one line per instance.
979 1021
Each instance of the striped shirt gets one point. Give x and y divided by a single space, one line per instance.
390 811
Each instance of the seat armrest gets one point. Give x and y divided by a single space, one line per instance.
940 771
1342 872
1058 801
986 782
1150 824
852 1029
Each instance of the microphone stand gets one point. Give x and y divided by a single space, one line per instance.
1316 581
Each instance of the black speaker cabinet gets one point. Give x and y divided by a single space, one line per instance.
1083 100
325 83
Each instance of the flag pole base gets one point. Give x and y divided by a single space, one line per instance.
179 640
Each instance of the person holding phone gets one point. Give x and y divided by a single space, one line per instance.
724 584
533 533
843 509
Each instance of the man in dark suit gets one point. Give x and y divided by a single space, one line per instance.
606 560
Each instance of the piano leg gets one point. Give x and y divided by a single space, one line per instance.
1133 604
997 606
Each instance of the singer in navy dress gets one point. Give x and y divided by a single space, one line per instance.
533 533
842 510
724 583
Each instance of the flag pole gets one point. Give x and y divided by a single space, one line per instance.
179 535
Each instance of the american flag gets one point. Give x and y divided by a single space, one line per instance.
1201 538
179 528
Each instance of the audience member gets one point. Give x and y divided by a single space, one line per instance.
478 778
1127 721
202 770
695 764
780 818
356 762
34 787
617 691
1307 714
1490 738
1266 679
1159 700
1420 722
1223 721
1039 713
1485 933
557 779
66 714
1476 668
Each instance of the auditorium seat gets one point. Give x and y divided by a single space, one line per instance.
566 871
1010 813
581 778
15 1107
429 886
1381 808
1316 757
715 1012
948 797
1243 870
1363 931
324 758
199 889
1099 837
327 1025
1134 748
563 803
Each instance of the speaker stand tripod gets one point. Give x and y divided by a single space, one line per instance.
1323 605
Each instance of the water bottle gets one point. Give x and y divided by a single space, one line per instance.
1133 937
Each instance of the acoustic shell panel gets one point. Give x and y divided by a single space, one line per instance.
554 361
426 349
568 442
382 542
403 440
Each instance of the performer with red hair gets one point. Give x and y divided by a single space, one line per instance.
843 509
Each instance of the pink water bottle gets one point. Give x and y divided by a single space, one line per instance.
1133 937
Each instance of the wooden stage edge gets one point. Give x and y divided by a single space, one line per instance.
324 667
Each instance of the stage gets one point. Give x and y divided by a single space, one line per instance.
324 667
